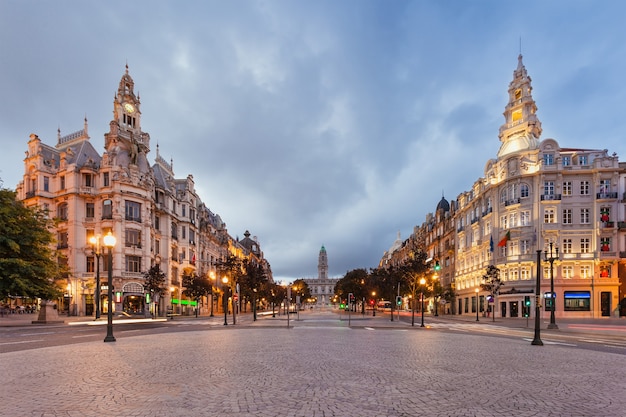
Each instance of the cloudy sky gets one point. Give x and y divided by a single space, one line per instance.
310 123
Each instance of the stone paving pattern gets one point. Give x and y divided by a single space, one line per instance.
319 367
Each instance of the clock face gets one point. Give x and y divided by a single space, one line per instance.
129 107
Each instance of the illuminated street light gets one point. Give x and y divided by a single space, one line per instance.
476 304
225 299
422 283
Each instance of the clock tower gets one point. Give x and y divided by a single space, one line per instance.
126 142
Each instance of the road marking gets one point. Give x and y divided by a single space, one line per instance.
35 334
21 341
369 328
608 343
85 335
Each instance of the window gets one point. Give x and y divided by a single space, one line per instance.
605 244
567 188
548 188
192 236
525 273
523 190
549 216
157 222
46 183
567 271
513 220
583 160
567 161
524 246
133 211
107 209
605 187
585 271
90 210
584 245
62 211
577 301
157 247
133 238
133 263
105 179
584 188
524 218
62 182
567 216
88 180
183 209
90 264
504 196
584 216
174 231
62 240
567 246
183 232
504 222
548 159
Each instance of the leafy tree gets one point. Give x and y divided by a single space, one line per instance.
196 287
154 283
27 265
492 282
230 267
301 288
276 295
356 282
252 282
415 270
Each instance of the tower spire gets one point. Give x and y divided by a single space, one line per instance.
521 128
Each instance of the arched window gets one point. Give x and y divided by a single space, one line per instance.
524 190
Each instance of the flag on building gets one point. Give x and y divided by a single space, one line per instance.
505 239
491 243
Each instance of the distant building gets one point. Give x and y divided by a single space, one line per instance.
322 288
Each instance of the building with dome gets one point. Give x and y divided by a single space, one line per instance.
534 196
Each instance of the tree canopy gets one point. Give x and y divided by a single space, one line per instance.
27 263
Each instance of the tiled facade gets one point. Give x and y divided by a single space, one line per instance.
155 217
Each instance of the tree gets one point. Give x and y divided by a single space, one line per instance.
252 282
276 295
196 287
300 288
154 284
356 282
27 264
230 267
492 283
416 269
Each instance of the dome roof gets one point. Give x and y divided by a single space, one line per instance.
443 205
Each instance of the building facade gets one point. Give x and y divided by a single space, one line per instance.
537 203
157 219
322 288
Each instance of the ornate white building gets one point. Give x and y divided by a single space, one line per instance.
534 194
156 217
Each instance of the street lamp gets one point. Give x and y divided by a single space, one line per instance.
109 242
155 301
97 251
476 304
172 289
422 283
225 299
551 256
212 278
69 298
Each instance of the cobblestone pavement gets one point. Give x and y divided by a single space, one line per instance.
319 366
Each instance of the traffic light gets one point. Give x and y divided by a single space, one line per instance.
526 306
372 302
351 298
527 301
399 300
437 266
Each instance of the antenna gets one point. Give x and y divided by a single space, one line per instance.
520 45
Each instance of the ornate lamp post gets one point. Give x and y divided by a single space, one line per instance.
537 339
97 251
551 256
476 304
422 283
109 242
225 299
157 261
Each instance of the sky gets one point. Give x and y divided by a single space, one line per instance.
310 123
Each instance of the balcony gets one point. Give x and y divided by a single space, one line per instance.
607 225
86 191
30 194
516 201
621 225
550 197
606 196
622 255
